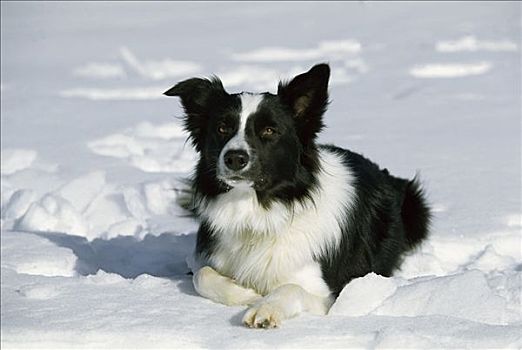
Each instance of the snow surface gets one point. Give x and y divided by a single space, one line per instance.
93 245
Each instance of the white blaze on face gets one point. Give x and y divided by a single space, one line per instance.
249 105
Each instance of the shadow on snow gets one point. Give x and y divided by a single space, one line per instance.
160 256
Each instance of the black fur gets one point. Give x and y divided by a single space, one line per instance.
389 217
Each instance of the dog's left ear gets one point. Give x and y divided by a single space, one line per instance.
307 96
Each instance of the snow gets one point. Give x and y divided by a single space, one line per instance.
325 50
158 70
14 160
102 70
52 213
450 70
94 247
151 148
470 43
363 295
124 94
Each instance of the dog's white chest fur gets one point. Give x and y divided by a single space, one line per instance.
264 249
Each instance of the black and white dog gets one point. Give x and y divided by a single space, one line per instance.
286 223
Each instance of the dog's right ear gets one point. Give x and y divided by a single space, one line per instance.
195 93
195 96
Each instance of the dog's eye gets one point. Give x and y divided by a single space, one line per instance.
223 130
267 132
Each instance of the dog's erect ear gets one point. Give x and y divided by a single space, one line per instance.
195 96
307 96
195 93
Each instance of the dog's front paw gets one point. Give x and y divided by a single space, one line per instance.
263 315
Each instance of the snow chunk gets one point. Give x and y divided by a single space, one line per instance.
116 145
52 214
18 204
105 212
134 202
154 198
450 70
362 295
508 244
104 278
508 285
423 263
165 131
35 254
489 260
147 281
14 160
128 227
6 191
150 148
333 49
159 197
470 43
81 191
466 295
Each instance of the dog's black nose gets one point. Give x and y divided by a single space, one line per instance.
236 159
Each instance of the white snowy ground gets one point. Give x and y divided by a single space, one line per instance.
93 247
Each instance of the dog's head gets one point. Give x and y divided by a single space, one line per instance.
260 141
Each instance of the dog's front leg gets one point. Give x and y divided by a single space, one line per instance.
285 302
210 284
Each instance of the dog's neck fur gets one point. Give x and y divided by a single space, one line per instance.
262 247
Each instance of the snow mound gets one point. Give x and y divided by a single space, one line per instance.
333 49
472 44
490 260
14 160
18 204
495 251
90 206
150 148
81 191
456 296
467 295
450 70
43 258
363 295
52 213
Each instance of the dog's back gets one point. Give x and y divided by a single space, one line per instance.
388 218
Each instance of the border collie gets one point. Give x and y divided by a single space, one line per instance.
286 223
